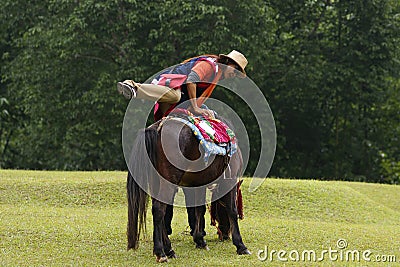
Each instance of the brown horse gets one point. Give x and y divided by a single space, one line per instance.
161 183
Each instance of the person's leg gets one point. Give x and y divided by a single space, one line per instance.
152 92
159 93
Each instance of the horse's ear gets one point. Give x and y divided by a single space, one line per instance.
240 183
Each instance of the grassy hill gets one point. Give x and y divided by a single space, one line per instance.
79 219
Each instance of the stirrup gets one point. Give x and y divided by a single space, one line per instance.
127 90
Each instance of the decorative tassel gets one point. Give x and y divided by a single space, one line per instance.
213 213
239 200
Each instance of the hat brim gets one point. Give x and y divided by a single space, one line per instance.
226 56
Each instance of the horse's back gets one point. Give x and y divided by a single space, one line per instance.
180 157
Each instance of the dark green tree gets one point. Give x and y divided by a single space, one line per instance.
330 84
329 69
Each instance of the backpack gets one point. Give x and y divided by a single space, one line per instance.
186 66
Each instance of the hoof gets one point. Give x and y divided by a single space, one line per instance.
244 252
171 254
205 247
224 238
161 259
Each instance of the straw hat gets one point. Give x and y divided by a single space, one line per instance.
238 58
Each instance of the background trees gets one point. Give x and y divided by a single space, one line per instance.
328 68
338 57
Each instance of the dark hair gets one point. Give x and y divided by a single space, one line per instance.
227 61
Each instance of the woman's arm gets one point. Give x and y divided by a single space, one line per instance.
191 88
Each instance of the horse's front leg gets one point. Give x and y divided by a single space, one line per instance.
229 201
159 232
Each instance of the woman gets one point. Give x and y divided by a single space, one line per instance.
203 73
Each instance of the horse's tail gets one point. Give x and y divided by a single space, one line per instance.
140 173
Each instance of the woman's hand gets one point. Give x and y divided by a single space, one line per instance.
203 112
191 87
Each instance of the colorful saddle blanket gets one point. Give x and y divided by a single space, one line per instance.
214 136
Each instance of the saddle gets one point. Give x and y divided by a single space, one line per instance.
214 135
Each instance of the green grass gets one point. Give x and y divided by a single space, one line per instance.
79 219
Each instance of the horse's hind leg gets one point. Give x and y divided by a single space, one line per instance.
229 201
168 230
199 198
162 243
169 252
198 234
159 233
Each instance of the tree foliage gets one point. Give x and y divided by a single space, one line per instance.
329 69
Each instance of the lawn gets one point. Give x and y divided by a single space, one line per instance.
79 219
